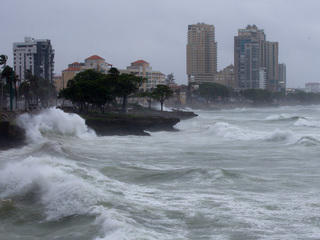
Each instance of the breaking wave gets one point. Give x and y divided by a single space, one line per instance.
54 122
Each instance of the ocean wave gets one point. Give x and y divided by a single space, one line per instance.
227 130
284 117
306 123
54 121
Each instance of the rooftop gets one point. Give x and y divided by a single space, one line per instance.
95 57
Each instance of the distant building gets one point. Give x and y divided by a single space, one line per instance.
57 81
35 55
201 53
282 82
143 69
94 62
269 60
252 55
262 78
225 77
312 87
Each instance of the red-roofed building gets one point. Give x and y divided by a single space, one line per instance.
94 57
94 62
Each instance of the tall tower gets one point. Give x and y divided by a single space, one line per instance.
255 60
247 70
201 53
35 55
269 60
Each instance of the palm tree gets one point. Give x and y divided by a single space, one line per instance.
3 61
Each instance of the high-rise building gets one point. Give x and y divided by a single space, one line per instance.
269 60
282 69
247 57
255 60
35 55
201 53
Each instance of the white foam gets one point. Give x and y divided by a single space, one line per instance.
306 123
55 121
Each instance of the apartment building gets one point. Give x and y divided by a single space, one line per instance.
143 69
35 55
94 62
225 76
201 53
255 60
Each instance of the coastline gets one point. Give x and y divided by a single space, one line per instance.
136 122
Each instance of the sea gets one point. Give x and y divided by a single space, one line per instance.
244 173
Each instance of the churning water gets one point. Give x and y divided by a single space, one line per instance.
229 174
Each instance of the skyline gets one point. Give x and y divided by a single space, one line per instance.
126 31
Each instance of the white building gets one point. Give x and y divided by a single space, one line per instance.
35 55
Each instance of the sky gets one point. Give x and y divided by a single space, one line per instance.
124 31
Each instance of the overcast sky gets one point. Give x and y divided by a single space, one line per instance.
124 31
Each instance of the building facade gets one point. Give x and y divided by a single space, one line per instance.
94 62
225 77
143 69
269 60
35 55
201 53
282 75
255 60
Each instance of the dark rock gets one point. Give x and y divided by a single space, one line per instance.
123 124
11 135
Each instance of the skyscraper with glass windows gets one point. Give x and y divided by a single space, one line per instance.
255 60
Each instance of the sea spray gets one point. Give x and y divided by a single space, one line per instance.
54 121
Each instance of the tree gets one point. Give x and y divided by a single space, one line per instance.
257 95
3 62
147 95
170 78
46 91
211 91
89 88
24 90
162 93
127 84
11 79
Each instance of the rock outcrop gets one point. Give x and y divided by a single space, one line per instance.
122 124
11 135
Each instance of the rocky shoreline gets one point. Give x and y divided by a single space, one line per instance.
136 122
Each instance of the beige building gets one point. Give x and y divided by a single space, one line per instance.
57 81
93 62
201 53
225 77
269 60
143 69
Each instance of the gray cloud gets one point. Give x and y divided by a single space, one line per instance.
156 31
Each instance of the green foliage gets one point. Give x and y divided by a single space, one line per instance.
92 88
127 84
211 91
257 95
162 93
